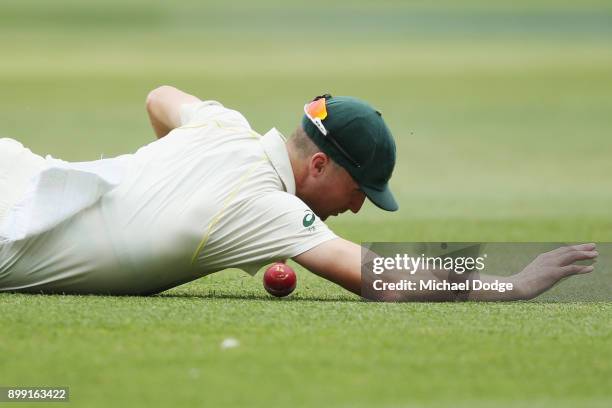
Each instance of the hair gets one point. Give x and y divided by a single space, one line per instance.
302 143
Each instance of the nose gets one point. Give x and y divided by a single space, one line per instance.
357 201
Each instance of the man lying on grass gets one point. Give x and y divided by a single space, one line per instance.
208 195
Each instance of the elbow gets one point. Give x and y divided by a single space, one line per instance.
154 97
151 100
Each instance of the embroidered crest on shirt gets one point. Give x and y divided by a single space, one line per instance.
308 220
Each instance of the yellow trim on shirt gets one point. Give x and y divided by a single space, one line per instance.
194 126
226 204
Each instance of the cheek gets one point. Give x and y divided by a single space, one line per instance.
325 191
335 193
337 198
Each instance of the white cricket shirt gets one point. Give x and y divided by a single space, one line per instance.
211 195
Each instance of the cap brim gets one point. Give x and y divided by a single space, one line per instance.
381 198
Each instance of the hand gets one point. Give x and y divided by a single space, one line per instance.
550 267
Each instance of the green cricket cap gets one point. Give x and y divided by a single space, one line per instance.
358 140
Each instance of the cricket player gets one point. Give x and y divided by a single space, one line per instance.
210 194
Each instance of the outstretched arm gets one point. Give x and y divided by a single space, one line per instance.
163 106
340 261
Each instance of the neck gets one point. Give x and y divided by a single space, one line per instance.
298 168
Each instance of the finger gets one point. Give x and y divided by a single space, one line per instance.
573 256
558 251
569 248
584 247
577 269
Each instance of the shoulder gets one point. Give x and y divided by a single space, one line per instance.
280 203
202 112
286 217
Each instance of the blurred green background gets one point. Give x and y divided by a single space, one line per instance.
502 116
501 111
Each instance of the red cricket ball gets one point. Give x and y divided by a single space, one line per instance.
279 279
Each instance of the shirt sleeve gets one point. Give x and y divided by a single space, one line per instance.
274 226
199 113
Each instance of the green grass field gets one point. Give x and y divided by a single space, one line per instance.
502 119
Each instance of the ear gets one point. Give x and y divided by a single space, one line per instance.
319 163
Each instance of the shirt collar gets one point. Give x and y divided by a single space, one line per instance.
274 145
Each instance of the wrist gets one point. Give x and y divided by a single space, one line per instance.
519 291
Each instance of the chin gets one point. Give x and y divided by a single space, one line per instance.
322 217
